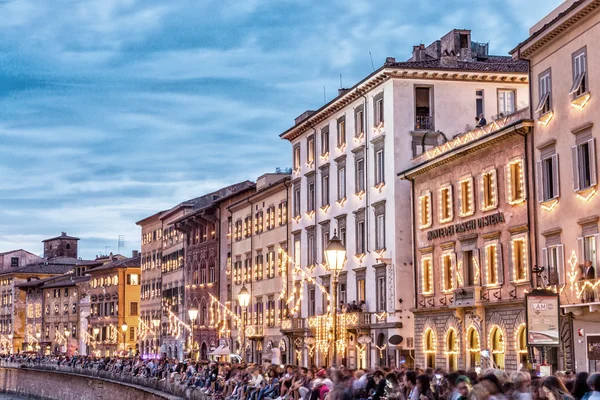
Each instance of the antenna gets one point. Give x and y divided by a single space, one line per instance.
120 243
106 250
371 57
341 85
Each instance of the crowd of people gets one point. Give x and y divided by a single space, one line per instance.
228 381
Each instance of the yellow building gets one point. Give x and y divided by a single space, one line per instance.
114 307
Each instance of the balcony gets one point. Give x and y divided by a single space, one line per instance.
583 293
291 325
255 331
423 123
467 297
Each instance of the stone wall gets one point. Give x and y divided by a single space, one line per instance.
51 385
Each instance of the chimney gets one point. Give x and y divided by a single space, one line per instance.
302 117
449 60
135 254
342 91
63 234
390 60
419 53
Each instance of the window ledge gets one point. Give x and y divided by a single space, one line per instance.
427 294
587 193
581 100
549 205
493 287
521 283
545 118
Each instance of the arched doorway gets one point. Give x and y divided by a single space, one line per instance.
381 346
496 345
521 344
452 350
204 352
429 347
473 348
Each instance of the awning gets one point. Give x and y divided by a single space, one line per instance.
220 351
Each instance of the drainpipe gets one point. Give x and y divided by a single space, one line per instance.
367 188
414 235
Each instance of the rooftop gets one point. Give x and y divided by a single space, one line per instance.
133 262
63 235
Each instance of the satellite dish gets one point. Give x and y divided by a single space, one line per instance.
396 340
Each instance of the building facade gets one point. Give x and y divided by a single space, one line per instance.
345 158
17 258
472 247
564 80
259 237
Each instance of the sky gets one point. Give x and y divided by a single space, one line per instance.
112 110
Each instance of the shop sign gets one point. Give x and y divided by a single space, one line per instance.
593 347
467 226
543 316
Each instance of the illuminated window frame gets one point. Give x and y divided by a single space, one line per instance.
515 182
470 198
524 259
451 258
494 270
488 192
427 276
425 210
446 206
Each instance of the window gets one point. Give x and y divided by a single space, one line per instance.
311 302
324 141
425 211
478 102
378 111
342 294
258 267
131 333
310 251
310 150
65 309
380 232
14 262
271 217
297 157
379 167
489 194
548 183
515 182
381 294
360 175
360 290
446 208
133 308
553 258
423 115
133 279
341 183
580 85
584 165
324 242
282 213
545 89
429 348
519 260
448 272
359 121
493 274
465 197
341 133
324 189
360 237
258 222
587 251
426 275
311 196
270 263
506 102
296 200
297 250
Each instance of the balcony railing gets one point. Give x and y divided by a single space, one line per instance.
423 123
253 331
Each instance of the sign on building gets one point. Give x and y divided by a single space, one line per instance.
543 314
593 347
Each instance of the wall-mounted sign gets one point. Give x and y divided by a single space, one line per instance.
543 318
593 347
470 225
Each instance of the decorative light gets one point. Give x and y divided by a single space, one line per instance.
467 185
496 330
444 259
524 262
427 275
550 205
379 187
425 210
341 148
360 194
359 138
360 257
445 204
515 189
429 341
452 348
341 202
587 196
545 119
325 208
381 316
491 201
581 101
378 129
518 348
491 270
325 157
244 297
310 214
476 333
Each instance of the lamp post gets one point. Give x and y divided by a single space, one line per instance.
38 335
193 314
335 254
124 329
244 300
156 323
67 335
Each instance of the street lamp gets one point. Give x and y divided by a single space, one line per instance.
193 314
335 254
124 329
244 300
156 323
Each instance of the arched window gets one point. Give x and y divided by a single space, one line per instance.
203 272
496 345
203 313
452 349
429 347
68 246
521 344
473 347
211 271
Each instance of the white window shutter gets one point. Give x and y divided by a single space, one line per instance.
580 250
454 272
540 181
545 262
561 263
495 182
576 167
421 277
500 264
451 201
592 153
556 175
481 202
485 268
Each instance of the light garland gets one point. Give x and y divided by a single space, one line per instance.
379 187
360 194
587 196
451 348
515 185
550 205
445 204
545 119
472 329
447 272
496 330
427 275
466 199
378 129
581 101
491 252
490 201
341 202
325 157
524 260
425 210
381 350
358 139
518 349
429 341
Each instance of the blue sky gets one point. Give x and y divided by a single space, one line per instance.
113 110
